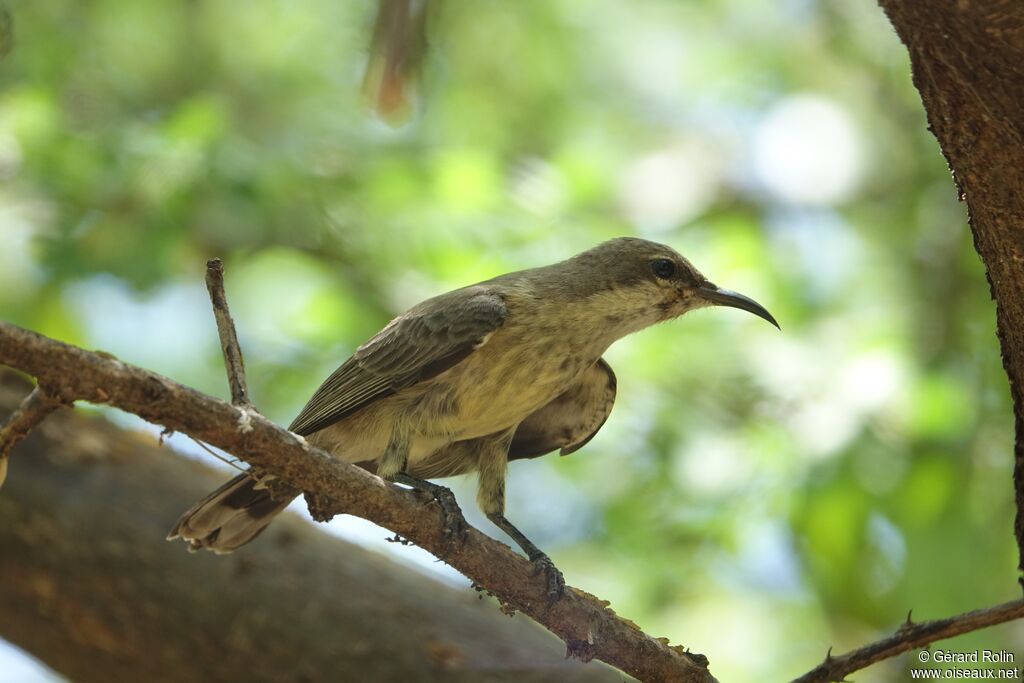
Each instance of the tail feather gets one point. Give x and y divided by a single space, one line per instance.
228 518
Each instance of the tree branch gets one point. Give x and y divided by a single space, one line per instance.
233 362
910 636
33 410
589 628
91 588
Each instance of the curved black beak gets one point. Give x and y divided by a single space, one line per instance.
725 297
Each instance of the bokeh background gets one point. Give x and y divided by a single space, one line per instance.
757 496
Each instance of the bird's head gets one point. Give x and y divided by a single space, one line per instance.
651 282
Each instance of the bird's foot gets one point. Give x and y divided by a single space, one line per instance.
454 522
541 562
455 525
556 582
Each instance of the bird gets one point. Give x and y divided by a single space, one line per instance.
467 381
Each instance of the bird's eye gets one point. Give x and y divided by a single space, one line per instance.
663 268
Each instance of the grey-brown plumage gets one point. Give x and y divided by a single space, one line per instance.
466 381
412 348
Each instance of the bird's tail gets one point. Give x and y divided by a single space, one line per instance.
229 517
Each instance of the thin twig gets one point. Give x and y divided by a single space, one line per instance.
233 361
33 410
231 462
908 637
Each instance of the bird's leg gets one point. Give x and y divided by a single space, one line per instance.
396 455
392 467
541 562
491 498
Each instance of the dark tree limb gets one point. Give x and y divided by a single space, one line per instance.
585 623
967 60
233 362
396 53
90 587
908 637
33 410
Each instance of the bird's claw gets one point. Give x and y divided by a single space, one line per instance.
455 525
556 582
454 522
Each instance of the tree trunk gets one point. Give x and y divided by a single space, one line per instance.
967 58
91 588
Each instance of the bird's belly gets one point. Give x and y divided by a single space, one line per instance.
487 412
364 437
490 397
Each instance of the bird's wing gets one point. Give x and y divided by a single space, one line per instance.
417 345
569 421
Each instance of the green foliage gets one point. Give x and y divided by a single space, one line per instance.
757 496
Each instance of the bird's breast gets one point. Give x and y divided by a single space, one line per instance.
507 379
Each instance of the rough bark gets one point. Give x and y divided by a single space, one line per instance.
967 59
91 588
